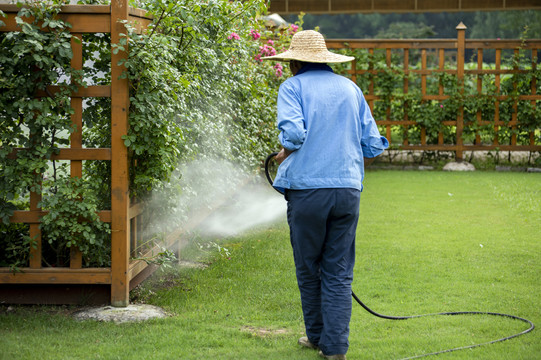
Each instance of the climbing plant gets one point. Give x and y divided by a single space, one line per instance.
36 119
395 104
197 90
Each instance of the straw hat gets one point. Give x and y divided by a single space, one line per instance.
309 46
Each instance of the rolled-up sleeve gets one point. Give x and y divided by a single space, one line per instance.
372 143
290 118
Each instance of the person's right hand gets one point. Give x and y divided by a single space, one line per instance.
282 155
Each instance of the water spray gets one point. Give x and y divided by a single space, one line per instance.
269 163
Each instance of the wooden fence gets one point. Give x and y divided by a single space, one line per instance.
39 284
449 57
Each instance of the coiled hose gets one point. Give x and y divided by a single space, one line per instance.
531 325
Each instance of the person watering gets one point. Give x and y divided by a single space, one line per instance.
328 135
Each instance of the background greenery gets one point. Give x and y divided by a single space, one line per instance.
426 242
481 24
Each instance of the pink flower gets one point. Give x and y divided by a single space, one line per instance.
270 42
233 36
293 28
441 105
254 34
278 68
267 50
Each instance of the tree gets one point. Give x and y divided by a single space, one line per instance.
406 30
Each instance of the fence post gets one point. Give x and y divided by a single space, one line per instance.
76 138
119 163
461 46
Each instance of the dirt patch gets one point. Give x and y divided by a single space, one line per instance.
262 332
130 313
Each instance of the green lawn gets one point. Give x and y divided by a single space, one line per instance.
427 242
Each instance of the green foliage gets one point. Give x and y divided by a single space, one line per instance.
507 24
72 221
16 243
406 30
195 91
30 60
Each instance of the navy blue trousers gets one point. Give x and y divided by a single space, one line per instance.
323 224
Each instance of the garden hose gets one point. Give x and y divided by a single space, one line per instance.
531 325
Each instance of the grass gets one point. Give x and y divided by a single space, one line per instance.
427 242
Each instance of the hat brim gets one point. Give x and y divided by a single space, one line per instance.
310 56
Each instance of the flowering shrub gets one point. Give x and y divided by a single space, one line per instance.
254 34
265 50
278 69
233 36
196 92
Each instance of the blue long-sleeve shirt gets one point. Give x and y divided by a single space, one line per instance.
325 120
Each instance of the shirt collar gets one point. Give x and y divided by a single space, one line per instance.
314 66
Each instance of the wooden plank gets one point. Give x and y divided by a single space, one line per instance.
503 44
35 233
348 5
136 210
405 89
56 276
429 147
74 154
461 39
445 147
83 18
431 44
444 97
80 92
140 19
86 9
284 7
139 13
479 114
83 154
142 275
495 140
515 108
76 137
133 236
119 164
136 267
70 9
393 5
139 24
494 71
533 88
34 216
391 43
309 6
443 5
81 23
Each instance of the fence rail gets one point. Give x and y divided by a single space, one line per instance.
448 57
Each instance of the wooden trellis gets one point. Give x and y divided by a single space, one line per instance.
458 46
69 284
